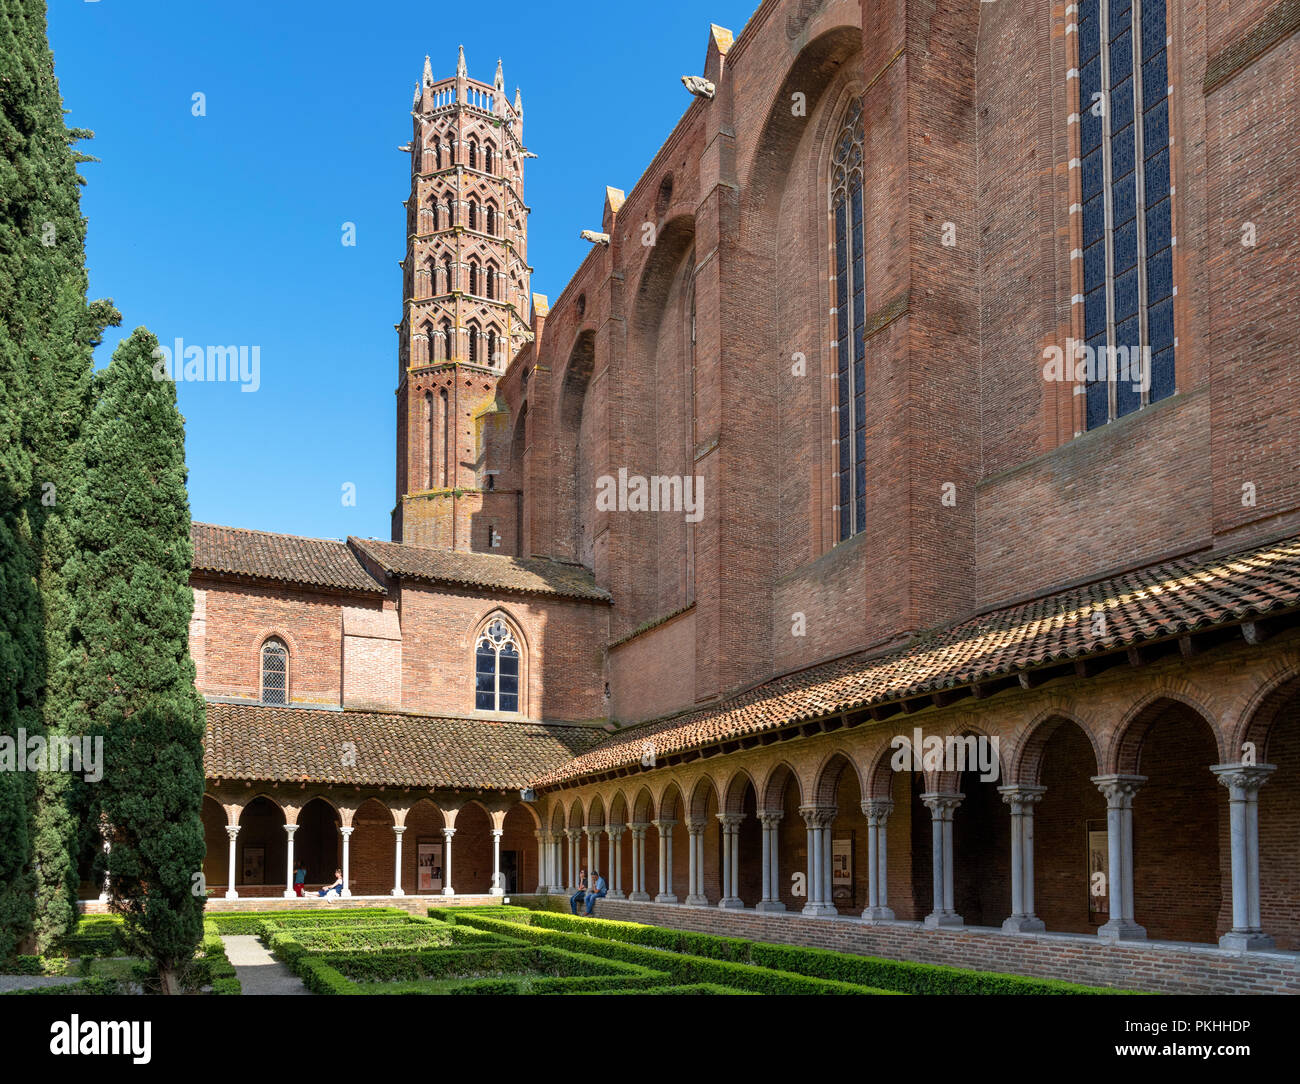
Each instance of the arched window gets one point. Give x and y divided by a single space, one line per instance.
433 213
473 277
490 275
492 347
1124 146
473 215
275 671
473 343
431 272
489 158
451 210
491 215
496 669
437 153
450 270
850 320
473 154
446 341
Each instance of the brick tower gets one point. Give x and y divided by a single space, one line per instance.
465 312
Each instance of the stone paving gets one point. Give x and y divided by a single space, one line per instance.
258 971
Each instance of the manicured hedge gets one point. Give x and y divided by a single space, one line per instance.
247 922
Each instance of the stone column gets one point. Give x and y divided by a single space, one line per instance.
346 833
557 862
289 893
877 811
942 807
770 819
232 830
398 829
818 820
665 893
592 832
695 896
1022 797
543 860
575 844
447 889
1119 791
639 892
615 877
498 881
731 860
1243 782
106 892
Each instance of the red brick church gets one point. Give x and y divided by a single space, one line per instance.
934 386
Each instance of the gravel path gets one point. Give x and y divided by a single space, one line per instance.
258 971
35 982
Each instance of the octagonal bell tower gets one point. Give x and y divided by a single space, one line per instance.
465 309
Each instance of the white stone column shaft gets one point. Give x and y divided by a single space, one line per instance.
346 832
398 831
232 830
289 830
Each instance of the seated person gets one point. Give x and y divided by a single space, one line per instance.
597 890
336 887
580 894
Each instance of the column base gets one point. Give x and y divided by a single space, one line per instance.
666 897
731 903
769 905
496 892
231 894
1121 930
1243 940
697 901
397 892
639 897
1024 924
449 891
944 920
819 910
290 894
615 896
873 915
103 898
347 894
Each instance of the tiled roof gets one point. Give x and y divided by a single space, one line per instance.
1177 597
535 575
287 558
248 741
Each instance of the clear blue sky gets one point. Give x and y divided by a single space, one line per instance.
226 229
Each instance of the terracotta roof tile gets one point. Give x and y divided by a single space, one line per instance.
287 558
535 575
249 741
1176 597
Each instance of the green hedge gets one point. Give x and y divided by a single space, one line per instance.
247 922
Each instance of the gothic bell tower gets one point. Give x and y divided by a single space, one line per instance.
465 311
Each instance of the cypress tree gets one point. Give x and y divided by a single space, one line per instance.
135 678
46 342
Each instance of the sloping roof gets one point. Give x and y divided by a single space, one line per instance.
1152 603
248 741
535 575
286 558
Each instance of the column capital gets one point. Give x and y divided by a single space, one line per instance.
770 818
593 829
573 833
730 821
818 816
639 826
696 828
346 830
447 833
614 831
1022 793
664 825
232 830
1119 789
290 829
877 810
941 805
497 833
542 835
1247 777
398 829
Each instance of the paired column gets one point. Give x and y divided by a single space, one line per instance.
818 821
695 896
615 876
398 829
942 807
346 833
557 861
639 892
592 832
232 830
770 819
498 881
1119 791
447 833
731 859
575 845
665 894
1022 797
1243 782
877 811
543 861
289 830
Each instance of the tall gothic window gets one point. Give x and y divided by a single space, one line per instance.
473 215
489 158
496 669
275 671
492 347
473 154
850 319
1128 307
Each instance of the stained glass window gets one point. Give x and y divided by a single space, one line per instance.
496 669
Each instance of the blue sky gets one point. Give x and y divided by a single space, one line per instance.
226 229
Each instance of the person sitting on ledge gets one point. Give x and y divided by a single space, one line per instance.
597 890
581 894
336 887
